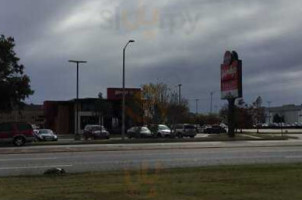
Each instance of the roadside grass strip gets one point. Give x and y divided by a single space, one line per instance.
249 182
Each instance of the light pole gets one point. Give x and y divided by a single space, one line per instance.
269 112
123 103
211 105
76 133
196 105
179 93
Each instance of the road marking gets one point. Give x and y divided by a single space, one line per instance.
25 159
34 167
293 157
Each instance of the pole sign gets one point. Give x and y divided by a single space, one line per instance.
231 76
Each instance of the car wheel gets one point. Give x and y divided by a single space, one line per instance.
107 137
179 135
192 136
19 141
159 135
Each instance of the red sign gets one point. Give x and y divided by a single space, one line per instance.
231 76
117 93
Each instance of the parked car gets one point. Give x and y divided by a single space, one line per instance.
199 129
95 132
17 133
185 130
45 135
139 132
215 129
161 130
223 125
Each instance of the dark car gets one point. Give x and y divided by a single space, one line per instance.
46 135
95 132
215 129
17 133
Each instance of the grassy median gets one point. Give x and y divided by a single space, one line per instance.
246 182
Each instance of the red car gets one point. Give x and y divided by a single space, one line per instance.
17 133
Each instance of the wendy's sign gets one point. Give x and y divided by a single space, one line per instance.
231 76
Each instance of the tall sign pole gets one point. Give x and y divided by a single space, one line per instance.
231 85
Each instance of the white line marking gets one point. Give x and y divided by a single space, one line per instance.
34 167
25 159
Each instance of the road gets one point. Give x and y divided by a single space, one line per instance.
83 158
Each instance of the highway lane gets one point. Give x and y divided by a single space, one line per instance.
73 162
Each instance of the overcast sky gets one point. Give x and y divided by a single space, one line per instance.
177 41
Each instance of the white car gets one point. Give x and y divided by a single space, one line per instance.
164 131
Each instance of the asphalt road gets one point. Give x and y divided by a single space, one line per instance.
175 155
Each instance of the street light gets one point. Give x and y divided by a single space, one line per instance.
76 134
196 101
269 112
123 105
211 104
179 93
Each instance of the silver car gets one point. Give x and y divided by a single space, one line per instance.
139 132
46 135
95 132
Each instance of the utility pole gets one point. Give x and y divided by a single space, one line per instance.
196 101
211 105
76 133
269 112
179 94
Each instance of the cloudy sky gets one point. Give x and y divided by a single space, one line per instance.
177 41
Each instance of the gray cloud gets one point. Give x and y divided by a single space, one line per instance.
176 42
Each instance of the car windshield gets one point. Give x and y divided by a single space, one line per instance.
144 129
44 131
163 127
189 127
96 128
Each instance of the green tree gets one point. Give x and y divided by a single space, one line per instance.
162 106
14 84
157 98
243 115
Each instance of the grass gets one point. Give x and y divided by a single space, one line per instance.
249 182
